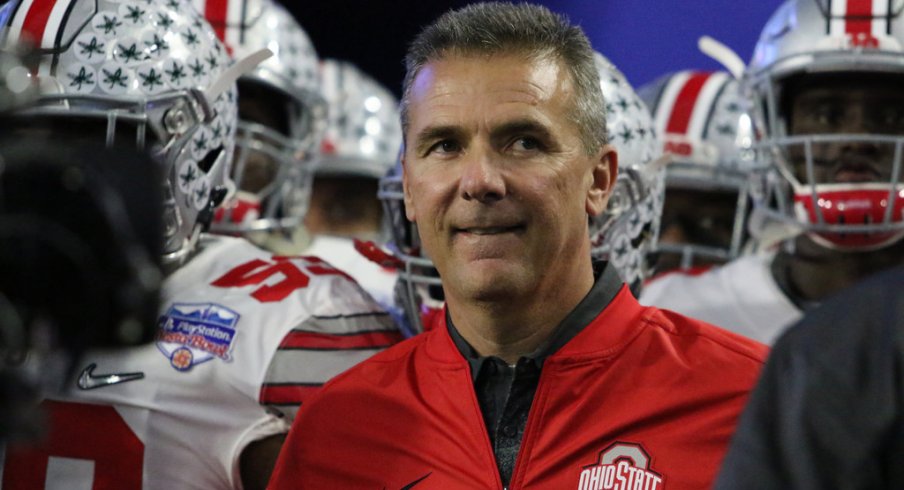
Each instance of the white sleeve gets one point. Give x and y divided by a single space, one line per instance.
319 349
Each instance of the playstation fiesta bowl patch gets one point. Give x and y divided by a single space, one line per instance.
191 333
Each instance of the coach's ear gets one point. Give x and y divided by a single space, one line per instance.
602 180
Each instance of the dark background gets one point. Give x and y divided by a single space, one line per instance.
644 38
373 34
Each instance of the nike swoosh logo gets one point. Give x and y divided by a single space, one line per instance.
415 482
88 381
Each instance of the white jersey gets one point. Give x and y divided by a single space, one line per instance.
741 296
244 337
339 251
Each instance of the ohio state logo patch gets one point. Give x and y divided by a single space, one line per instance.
621 466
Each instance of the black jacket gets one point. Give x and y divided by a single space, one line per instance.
828 410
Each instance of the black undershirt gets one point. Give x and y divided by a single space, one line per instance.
780 269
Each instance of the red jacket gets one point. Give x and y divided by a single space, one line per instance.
640 399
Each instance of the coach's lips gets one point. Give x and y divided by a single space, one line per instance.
489 230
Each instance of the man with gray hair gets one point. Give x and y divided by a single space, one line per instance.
545 372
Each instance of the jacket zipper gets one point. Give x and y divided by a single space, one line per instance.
483 430
532 417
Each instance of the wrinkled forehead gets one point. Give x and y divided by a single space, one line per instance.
457 89
478 74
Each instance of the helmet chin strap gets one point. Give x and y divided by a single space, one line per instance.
768 231
174 260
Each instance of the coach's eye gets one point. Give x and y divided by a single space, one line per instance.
446 146
526 144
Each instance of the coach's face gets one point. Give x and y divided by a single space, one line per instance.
496 177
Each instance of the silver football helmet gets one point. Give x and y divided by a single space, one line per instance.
282 116
702 120
360 145
817 38
152 72
363 134
626 233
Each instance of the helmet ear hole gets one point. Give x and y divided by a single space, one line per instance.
212 156
206 215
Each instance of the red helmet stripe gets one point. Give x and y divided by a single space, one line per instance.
858 19
216 12
683 109
36 20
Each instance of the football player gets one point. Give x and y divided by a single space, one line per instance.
360 144
280 123
77 271
627 233
702 120
243 336
281 129
69 248
825 79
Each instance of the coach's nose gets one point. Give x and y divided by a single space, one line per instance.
481 177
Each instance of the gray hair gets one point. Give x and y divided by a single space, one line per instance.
533 31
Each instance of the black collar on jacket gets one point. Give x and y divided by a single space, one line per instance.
607 284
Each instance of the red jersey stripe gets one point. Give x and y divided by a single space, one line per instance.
216 12
683 108
858 19
36 20
314 340
287 394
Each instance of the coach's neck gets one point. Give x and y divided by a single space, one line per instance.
515 325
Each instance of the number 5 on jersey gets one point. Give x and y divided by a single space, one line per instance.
290 273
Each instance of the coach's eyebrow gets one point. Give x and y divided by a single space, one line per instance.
428 136
532 127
